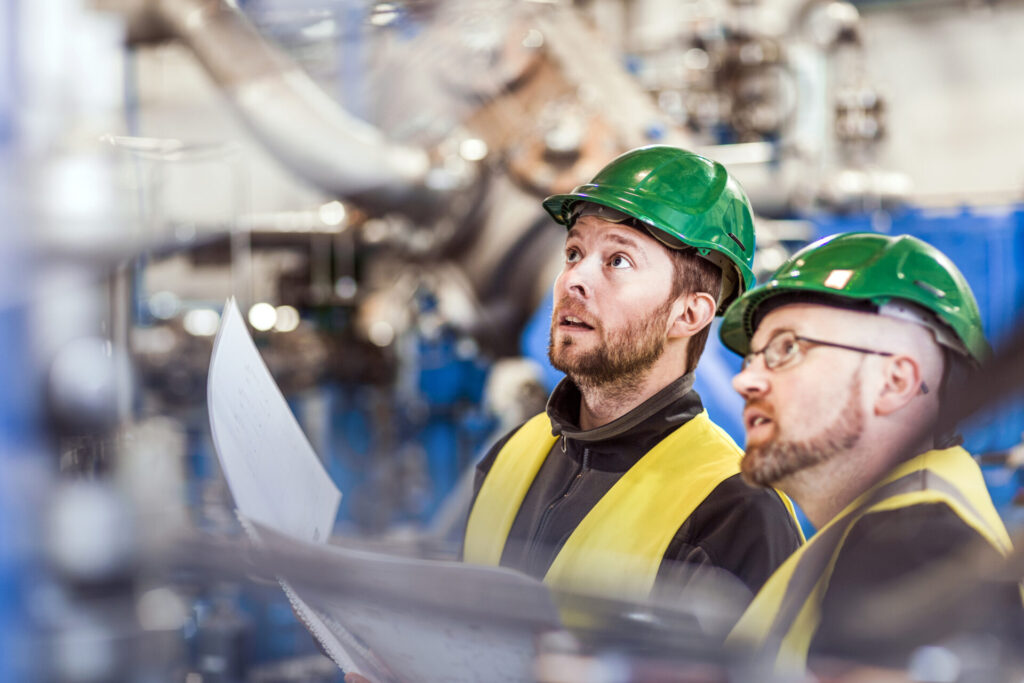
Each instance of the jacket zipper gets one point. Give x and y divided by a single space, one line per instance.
546 517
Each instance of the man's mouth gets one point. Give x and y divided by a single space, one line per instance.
573 322
753 418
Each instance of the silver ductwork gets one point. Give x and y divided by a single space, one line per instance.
300 124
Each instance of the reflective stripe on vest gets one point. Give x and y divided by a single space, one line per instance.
618 547
782 619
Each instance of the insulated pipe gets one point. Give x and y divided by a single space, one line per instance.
303 127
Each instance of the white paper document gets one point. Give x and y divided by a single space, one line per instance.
275 476
389 618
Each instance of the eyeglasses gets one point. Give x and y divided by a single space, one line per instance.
786 348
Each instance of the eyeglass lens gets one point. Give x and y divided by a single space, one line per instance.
780 349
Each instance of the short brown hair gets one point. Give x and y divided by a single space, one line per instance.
691 273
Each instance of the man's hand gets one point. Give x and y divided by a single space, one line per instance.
356 678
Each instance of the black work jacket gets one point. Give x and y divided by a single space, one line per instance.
888 563
743 530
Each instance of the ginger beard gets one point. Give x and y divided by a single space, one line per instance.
620 358
773 459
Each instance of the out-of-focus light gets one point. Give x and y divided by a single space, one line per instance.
262 316
934 663
770 258
320 30
287 319
381 333
383 14
202 322
376 230
333 213
466 349
89 533
154 340
533 39
696 59
473 149
164 305
346 287
160 609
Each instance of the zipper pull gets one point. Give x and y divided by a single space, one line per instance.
563 444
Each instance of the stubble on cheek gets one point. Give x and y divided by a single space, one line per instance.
770 459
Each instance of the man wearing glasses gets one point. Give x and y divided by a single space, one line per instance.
849 351
624 483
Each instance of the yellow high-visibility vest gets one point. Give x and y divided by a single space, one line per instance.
782 619
618 547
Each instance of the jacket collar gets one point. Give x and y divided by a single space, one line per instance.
672 406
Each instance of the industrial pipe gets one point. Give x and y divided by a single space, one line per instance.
300 124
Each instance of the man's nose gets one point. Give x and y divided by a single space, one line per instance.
753 379
577 278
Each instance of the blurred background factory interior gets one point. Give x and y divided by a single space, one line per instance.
365 178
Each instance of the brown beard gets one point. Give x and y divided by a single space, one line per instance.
768 463
623 358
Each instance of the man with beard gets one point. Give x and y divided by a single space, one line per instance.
624 482
850 351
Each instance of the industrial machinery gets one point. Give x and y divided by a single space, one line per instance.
365 177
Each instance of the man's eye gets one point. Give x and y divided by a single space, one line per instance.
619 261
572 255
786 348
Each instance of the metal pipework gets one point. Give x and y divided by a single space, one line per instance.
302 126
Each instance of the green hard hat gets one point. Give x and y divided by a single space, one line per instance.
683 199
881 271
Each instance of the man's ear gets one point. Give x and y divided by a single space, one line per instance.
901 383
693 312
